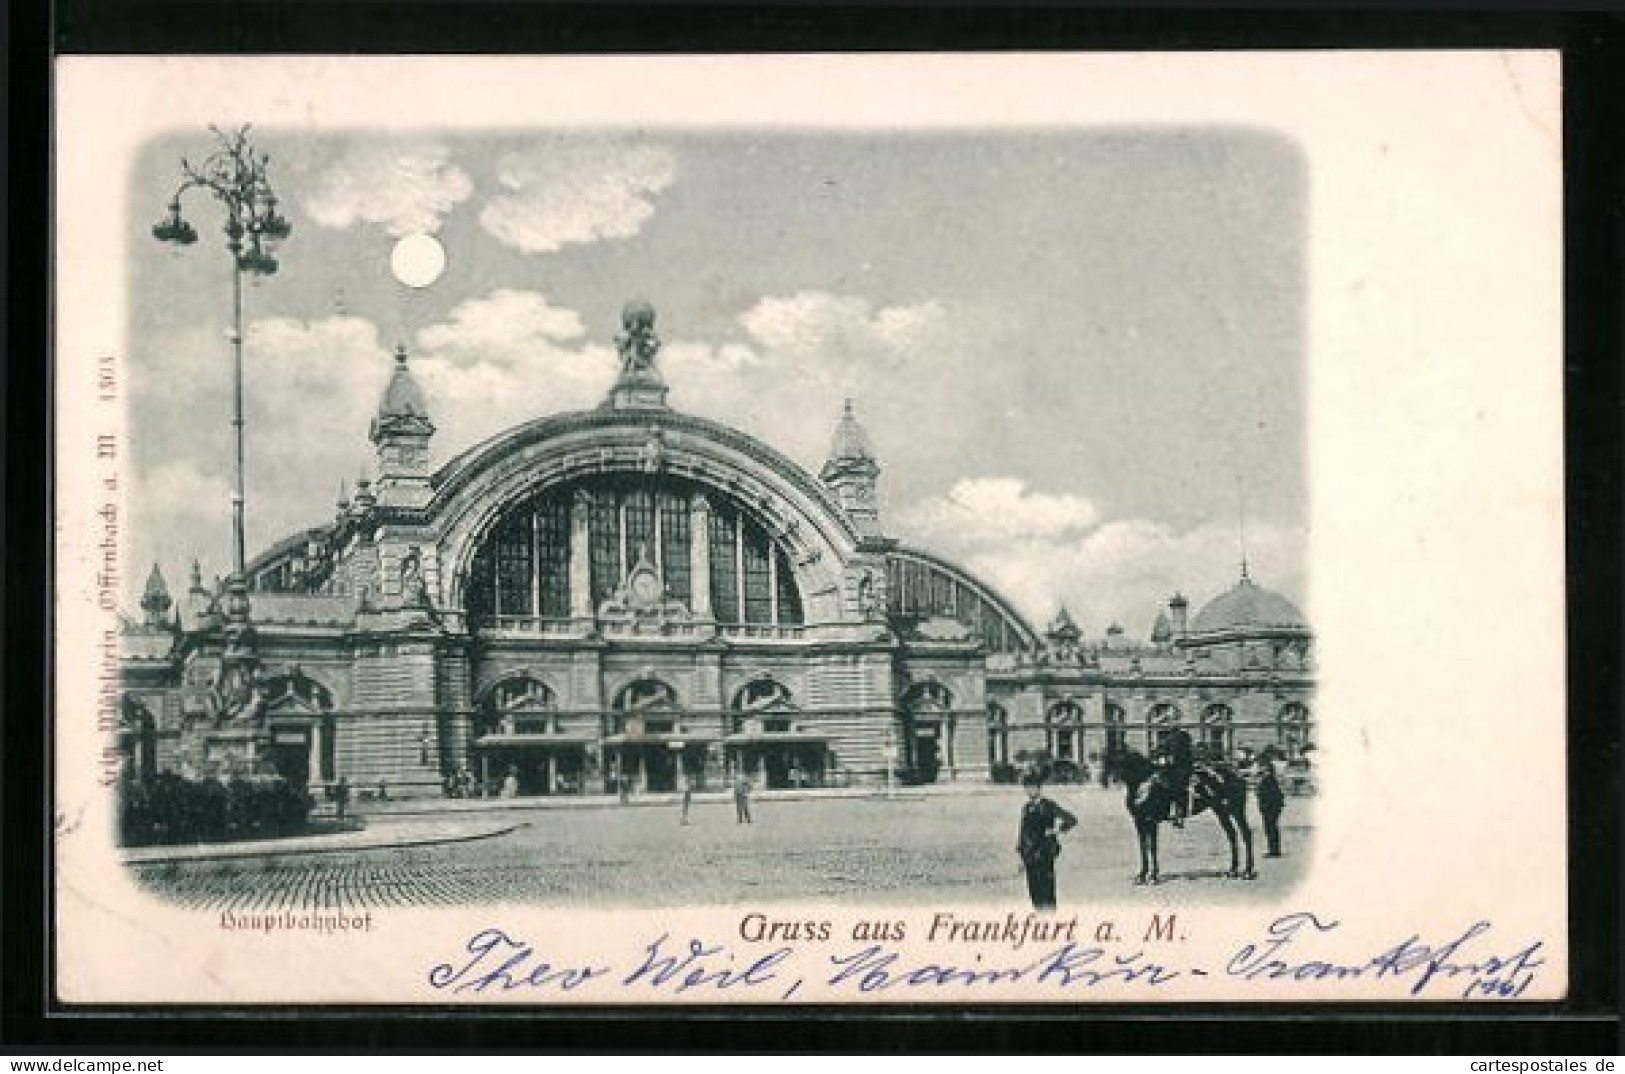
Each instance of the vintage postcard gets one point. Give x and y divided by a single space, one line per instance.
945 529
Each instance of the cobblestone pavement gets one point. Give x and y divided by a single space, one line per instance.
943 848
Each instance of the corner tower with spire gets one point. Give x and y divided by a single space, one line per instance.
155 602
853 474
400 433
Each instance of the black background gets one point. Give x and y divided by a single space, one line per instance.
1593 46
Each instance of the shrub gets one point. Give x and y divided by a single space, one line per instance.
173 809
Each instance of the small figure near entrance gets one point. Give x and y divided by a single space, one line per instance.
686 785
510 783
1270 803
1039 843
340 793
742 799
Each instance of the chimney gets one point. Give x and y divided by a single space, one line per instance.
1177 607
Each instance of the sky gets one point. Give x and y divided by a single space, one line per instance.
1079 354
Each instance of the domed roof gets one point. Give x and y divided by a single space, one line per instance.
1248 605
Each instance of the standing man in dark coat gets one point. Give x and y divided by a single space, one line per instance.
1039 843
742 799
1270 803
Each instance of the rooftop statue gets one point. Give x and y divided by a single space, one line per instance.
637 343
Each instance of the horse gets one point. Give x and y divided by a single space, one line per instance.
1218 788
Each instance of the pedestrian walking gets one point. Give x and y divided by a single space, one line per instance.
341 796
1038 843
687 786
1270 803
742 799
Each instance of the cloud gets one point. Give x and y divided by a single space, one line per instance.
998 508
504 327
842 329
404 187
182 492
683 360
310 390
1122 570
574 192
505 358
798 355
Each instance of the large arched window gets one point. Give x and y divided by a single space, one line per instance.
645 706
522 571
1063 729
518 705
763 705
918 589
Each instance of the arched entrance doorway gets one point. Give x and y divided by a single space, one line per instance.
766 741
927 712
299 728
521 746
649 746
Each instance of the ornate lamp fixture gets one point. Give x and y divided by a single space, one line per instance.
236 175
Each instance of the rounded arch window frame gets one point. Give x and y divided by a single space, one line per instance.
491 716
926 696
475 491
1161 719
1292 723
1063 730
776 714
1217 725
665 708
786 541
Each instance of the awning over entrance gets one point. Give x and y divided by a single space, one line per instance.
495 741
775 738
683 738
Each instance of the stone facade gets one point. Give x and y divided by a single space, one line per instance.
620 598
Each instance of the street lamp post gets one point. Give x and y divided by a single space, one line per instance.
891 757
235 174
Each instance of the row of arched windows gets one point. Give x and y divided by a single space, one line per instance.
522 704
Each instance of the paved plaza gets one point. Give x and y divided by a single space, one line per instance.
912 848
